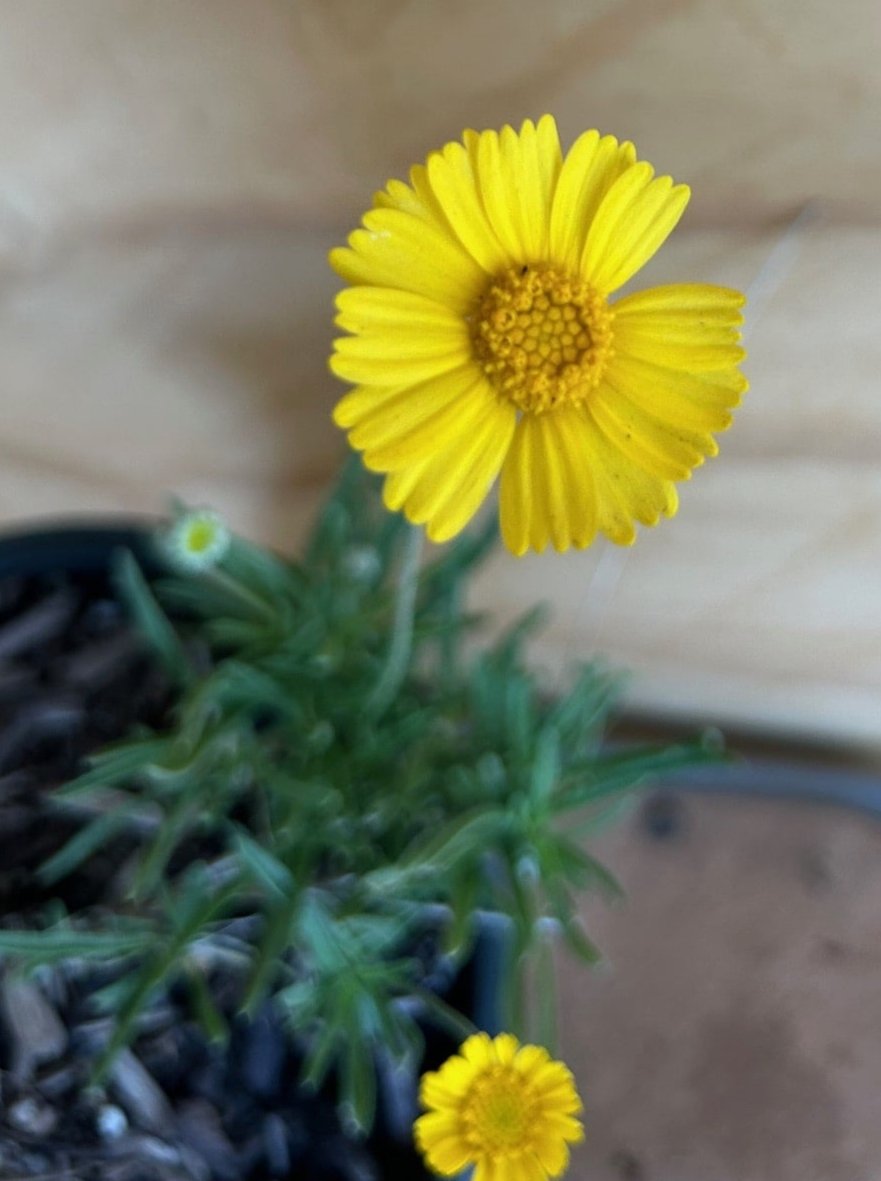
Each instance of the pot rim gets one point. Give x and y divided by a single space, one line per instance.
81 543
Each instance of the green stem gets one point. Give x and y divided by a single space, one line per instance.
243 593
398 659
449 640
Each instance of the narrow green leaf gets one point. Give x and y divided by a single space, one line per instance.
582 711
545 767
591 780
507 649
321 1057
266 870
519 716
460 558
444 1016
208 1015
268 962
579 942
562 857
193 908
260 573
317 935
463 898
116 764
175 825
546 995
472 831
149 616
358 1082
333 527
82 845
58 943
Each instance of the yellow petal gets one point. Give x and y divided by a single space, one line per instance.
449 1157
709 303
383 413
669 452
591 167
435 1125
453 484
426 196
531 1058
633 221
517 174
386 310
398 486
399 337
369 360
421 421
689 326
540 163
557 1086
506 1046
477 1050
362 403
493 170
398 195
416 198
563 1126
452 179
547 490
525 1167
438 1087
553 1154
438 1137
489 1168
696 401
625 491
442 1089
444 461
398 249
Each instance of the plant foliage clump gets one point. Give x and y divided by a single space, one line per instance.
310 832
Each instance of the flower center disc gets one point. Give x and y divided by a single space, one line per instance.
200 536
541 337
498 1112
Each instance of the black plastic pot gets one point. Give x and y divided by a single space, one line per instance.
85 546
87 549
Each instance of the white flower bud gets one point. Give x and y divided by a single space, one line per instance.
197 540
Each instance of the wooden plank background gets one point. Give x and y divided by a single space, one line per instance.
173 173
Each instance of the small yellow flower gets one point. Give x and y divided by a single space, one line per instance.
507 1109
197 540
483 341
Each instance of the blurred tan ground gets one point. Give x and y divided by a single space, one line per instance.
172 175
733 1033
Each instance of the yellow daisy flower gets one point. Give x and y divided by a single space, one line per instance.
483 341
507 1109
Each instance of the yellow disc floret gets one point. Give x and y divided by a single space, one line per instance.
499 1111
542 338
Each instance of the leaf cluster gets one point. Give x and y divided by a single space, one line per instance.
315 845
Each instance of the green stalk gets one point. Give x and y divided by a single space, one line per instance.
243 593
398 659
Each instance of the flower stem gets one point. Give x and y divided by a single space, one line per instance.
244 594
398 659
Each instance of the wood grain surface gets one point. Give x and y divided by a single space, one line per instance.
173 174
